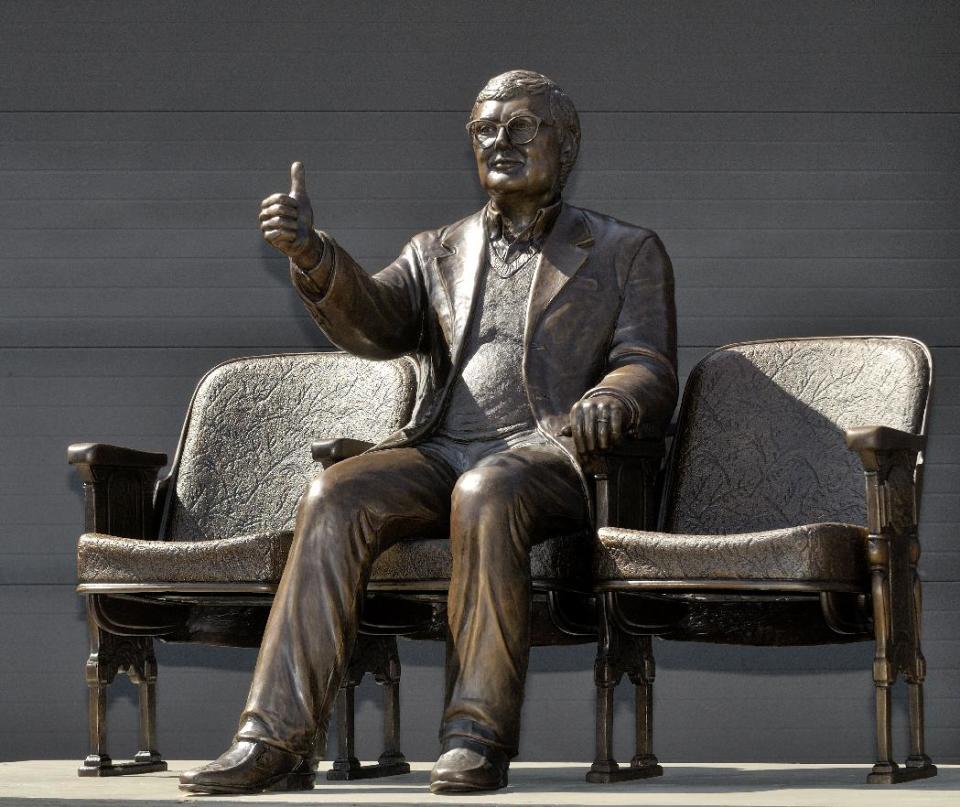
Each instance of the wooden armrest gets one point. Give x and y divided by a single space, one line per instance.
883 438
119 487
329 452
117 456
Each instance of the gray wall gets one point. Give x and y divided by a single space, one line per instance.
800 161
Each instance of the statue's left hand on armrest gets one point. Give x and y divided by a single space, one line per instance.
598 423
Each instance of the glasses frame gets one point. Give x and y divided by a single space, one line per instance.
504 126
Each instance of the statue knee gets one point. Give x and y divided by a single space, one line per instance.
483 490
332 494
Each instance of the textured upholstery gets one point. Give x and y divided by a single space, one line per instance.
244 461
105 559
244 458
761 484
827 553
761 442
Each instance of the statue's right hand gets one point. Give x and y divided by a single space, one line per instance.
286 222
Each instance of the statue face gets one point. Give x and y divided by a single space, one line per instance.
509 169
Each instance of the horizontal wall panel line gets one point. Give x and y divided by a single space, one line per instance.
295 348
285 317
459 110
389 229
471 172
248 200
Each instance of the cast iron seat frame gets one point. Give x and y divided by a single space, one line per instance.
638 597
123 499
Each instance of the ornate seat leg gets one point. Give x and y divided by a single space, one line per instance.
890 657
893 550
885 769
918 762
377 655
918 759
392 761
111 654
642 679
618 653
606 676
98 677
146 681
346 766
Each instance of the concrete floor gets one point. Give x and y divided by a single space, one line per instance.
39 783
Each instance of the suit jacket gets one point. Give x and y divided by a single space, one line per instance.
600 317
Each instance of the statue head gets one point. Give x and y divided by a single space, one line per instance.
525 134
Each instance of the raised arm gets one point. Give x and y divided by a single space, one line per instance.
375 317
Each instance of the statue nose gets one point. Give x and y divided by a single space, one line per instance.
503 139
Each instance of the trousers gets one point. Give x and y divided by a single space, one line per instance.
493 501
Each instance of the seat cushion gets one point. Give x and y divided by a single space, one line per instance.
827 553
259 558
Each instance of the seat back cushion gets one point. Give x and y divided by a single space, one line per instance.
760 438
244 456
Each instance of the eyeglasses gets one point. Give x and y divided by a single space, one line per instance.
521 129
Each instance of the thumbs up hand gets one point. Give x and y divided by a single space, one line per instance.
286 222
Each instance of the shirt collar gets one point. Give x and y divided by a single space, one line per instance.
535 232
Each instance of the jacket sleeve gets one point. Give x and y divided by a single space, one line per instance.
378 317
642 361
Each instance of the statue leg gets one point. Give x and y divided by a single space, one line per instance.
349 514
500 507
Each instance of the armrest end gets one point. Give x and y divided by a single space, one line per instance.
329 452
106 454
128 509
883 438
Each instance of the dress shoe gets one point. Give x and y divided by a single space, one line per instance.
468 769
250 766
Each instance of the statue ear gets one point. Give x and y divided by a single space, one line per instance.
569 148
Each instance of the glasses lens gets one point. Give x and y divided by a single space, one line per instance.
484 132
522 129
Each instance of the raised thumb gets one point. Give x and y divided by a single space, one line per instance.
298 183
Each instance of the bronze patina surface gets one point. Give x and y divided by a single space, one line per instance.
526 318
500 364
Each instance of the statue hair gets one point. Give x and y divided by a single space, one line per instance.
563 113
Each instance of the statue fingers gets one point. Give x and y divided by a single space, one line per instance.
276 237
279 199
590 427
279 223
576 426
269 211
616 423
603 419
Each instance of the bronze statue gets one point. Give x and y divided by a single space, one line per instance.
543 332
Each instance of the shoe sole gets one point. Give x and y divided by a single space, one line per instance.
286 782
442 786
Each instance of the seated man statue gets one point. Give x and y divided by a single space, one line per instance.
543 332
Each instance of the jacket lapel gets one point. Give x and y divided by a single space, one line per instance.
459 268
564 252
